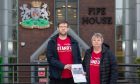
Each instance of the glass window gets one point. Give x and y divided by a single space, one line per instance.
12 59
119 4
72 15
119 28
12 33
119 16
129 3
67 10
74 27
0 47
60 11
119 40
12 48
72 10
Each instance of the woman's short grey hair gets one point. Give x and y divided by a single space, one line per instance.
98 35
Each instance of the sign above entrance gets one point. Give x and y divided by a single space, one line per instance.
37 16
97 15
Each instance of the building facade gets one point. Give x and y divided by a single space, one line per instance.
23 38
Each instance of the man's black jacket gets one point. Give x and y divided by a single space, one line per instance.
55 66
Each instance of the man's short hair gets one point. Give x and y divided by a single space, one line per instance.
64 21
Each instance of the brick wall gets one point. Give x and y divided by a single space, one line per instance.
99 9
33 38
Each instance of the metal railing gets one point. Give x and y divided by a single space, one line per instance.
129 74
31 73
37 73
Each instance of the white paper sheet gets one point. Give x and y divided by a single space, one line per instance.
78 73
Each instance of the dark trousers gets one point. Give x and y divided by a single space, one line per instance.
62 81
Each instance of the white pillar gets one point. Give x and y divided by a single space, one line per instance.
129 32
6 22
138 27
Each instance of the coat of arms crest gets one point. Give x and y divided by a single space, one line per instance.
35 17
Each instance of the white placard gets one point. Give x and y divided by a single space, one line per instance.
78 73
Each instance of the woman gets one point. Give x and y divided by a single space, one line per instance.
99 62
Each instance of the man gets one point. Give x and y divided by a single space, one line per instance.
62 51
